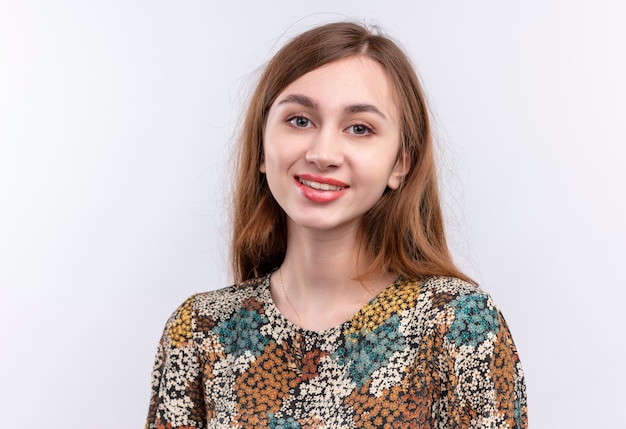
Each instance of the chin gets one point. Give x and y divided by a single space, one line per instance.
324 224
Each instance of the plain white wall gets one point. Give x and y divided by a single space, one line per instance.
116 124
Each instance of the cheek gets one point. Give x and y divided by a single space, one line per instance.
377 168
280 152
271 147
272 158
270 152
276 165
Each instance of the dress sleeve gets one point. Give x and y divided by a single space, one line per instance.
484 384
177 399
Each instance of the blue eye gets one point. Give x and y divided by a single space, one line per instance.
300 122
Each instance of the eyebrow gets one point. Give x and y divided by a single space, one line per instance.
302 100
359 108
305 101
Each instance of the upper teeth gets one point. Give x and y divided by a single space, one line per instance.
321 186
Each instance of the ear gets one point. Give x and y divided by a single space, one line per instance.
262 166
400 170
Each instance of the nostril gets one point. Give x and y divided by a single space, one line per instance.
323 161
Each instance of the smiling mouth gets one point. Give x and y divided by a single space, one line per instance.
320 186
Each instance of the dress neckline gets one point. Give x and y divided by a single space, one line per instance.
267 297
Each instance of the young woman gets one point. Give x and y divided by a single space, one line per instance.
348 311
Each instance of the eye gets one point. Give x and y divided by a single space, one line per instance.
300 122
360 130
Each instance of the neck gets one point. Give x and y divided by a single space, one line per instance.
322 263
316 285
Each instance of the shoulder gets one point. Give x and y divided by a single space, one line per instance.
220 303
467 313
228 296
428 296
449 292
450 286
203 310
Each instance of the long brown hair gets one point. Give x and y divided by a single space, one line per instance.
403 232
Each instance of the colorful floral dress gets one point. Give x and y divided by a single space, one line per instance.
434 353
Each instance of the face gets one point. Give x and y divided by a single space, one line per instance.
331 144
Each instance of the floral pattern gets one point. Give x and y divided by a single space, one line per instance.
366 352
434 353
474 320
240 333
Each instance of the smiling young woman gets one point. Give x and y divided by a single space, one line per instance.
322 172
347 309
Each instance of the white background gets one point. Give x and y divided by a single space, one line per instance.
116 124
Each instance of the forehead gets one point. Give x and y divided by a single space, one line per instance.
351 80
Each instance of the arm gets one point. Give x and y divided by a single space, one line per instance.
177 399
483 378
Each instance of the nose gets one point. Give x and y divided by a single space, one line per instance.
325 150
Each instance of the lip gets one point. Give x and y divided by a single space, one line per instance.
320 195
322 179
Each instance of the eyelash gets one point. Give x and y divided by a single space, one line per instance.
292 120
368 130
